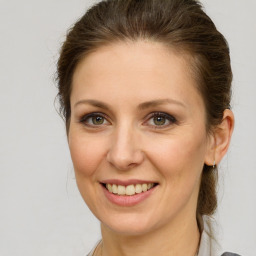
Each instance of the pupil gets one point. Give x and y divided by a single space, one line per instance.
159 120
98 120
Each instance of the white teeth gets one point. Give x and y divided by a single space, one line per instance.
109 187
121 190
151 185
114 189
129 190
144 187
138 188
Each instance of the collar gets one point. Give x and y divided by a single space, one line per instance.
208 244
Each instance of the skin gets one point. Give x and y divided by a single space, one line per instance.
130 145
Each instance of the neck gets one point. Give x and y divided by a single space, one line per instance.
178 238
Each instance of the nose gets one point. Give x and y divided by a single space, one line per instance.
125 152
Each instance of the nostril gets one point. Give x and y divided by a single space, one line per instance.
124 157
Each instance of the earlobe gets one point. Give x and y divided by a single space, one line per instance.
220 139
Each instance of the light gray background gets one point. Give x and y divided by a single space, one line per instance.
41 212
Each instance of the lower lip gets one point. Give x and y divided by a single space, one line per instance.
128 200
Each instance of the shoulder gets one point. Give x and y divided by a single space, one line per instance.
94 248
208 243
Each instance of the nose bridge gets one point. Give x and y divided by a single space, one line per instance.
124 151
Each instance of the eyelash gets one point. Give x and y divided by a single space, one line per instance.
91 115
170 118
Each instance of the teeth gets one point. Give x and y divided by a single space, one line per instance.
114 189
129 190
144 187
121 190
109 187
138 188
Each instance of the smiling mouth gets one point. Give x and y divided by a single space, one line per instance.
129 190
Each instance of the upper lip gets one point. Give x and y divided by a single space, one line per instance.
126 182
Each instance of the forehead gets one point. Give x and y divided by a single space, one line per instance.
140 55
139 69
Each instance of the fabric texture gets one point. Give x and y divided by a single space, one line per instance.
208 245
92 251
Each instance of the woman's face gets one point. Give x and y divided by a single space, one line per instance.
137 118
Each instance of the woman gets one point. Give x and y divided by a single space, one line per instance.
144 87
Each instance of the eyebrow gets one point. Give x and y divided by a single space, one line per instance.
142 106
155 103
95 103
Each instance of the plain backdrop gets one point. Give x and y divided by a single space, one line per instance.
41 211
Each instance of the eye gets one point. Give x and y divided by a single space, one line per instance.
160 120
94 119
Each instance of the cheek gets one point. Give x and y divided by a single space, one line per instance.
180 162
179 156
86 153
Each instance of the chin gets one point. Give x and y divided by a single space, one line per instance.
129 225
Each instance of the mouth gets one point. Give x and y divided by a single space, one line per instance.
128 190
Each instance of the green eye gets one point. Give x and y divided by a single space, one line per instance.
94 119
97 120
159 120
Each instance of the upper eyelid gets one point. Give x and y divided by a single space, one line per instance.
94 114
157 113
160 113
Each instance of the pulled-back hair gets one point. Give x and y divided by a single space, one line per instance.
179 24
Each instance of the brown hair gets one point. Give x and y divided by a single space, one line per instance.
180 24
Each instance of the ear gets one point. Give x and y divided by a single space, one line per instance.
220 139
